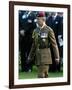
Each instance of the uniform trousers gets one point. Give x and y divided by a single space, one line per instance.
43 71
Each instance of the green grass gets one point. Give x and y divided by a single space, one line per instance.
33 74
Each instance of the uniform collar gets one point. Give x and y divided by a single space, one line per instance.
42 26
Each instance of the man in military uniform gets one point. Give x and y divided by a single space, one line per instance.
43 36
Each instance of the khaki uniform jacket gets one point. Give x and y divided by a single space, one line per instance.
43 56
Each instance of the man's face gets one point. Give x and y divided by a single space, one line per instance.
40 21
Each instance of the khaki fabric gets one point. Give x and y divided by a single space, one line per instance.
43 71
43 56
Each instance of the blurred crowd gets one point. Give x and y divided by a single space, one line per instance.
27 23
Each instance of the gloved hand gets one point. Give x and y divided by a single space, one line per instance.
57 61
28 59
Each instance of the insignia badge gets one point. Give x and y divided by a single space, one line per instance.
44 39
43 35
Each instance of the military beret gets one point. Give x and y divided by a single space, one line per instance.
41 14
